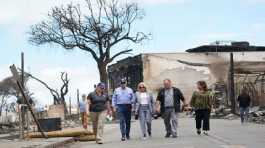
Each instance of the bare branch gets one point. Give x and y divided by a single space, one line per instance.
97 30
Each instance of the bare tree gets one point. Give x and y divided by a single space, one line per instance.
97 31
9 88
58 96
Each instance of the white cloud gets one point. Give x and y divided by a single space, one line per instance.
31 11
26 11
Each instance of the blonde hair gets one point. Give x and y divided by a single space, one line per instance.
141 84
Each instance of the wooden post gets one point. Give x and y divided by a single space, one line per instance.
24 97
70 106
78 108
23 111
231 84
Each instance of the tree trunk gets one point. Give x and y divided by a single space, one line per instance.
102 68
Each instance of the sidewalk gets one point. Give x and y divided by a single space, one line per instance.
6 141
33 143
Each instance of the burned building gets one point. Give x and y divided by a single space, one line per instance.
208 62
130 68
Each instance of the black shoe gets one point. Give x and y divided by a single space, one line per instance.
199 132
123 139
128 137
149 134
167 135
174 136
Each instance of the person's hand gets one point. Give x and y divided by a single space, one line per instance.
109 112
114 110
158 110
88 113
136 116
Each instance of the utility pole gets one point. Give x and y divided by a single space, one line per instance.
70 106
22 106
78 109
231 83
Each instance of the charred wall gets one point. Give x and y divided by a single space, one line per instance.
130 68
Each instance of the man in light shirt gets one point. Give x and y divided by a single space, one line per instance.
169 105
122 101
83 106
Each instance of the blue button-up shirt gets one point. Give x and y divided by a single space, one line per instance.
82 106
122 96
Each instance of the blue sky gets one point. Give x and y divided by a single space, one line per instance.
175 25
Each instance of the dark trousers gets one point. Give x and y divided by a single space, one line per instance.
203 115
171 121
244 114
125 114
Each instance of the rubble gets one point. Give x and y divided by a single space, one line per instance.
257 116
231 117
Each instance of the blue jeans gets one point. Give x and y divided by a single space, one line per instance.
244 114
145 118
125 113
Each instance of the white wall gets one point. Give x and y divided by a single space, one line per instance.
158 66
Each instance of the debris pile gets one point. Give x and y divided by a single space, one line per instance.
257 116
223 113
70 123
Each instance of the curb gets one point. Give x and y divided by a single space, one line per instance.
60 144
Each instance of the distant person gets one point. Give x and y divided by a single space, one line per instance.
122 101
144 106
244 103
201 102
83 111
99 106
169 105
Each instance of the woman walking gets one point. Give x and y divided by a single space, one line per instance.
144 109
201 101
98 104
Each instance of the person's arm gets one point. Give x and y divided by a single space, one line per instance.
132 97
181 96
109 106
211 100
152 103
192 102
249 100
88 104
158 102
238 100
136 104
114 100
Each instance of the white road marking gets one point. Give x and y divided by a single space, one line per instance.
233 146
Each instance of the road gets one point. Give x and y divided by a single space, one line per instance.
224 134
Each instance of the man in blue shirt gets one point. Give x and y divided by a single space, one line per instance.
122 101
